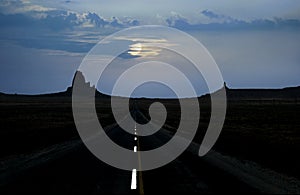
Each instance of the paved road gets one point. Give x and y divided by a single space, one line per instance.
77 171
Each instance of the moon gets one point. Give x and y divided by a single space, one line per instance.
135 49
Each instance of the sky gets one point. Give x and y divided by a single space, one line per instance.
256 44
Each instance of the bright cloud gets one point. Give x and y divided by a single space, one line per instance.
22 6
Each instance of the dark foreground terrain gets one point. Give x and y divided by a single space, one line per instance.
257 151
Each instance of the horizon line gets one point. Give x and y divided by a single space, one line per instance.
141 97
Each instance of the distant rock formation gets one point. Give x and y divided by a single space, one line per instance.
81 80
284 94
289 94
83 87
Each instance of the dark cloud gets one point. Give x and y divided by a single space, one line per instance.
131 22
50 29
288 22
213 15
58 29
59 21
16 20
56 44
228 23
176 20
116 23
97 20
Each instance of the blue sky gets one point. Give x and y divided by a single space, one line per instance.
255 43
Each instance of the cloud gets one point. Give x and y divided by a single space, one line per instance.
21 6
15 20
223 22
176 20
97 20
54 32
58 19
128 21
116 23
32 8
220 17
142 39
146 47
36 26
62 21
210 14
32 26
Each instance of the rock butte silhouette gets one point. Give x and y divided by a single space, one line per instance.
288 93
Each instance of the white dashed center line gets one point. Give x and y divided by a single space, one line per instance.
133 176
133 179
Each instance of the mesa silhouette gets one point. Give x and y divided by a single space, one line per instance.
287 93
